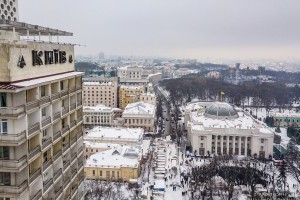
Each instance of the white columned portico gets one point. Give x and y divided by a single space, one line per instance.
246 147
216 144
233 145
222 144
240 145
227 145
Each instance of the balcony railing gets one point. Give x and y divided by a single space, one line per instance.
72 90
46 165
56 115
74 157
47 185
78 87
80 179
65 129
56 135
12 111
80 195
57 155
66 164
13 189
65 111
74 191
58 192
80 150
73 140
44 100
80 165
46 121
34 152
57 174
37 196
79 103
34 175
72 106
73 124
64 93
32 105
74 172
13 138
66 147
33 128
79 119
54 96
14 165
67 182
46 143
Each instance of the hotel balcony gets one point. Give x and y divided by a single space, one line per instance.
34 176
71 90
65 111
13 139
65 131
12 112
34 153
66 165
47 164
47 185
32 105
55 96
74 191
33 129
13 165
37 196
64 93
80 195
14 190
79 103
58 193
57 155
72 107
80 165
73 124
79 119
44 100
67 183
74 173
46 143
80 151
46 122
78 87
73 158
56 136
56 115
73 141
66 148
57 175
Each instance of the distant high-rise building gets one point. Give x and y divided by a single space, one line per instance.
41 132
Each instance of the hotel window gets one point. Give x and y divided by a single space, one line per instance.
201 145
3 102
43 112
4 178
94 172
113 174
107 174
261 148
4 153
202 138
3 126
262 140
100 172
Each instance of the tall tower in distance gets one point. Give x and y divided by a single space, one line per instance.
41 133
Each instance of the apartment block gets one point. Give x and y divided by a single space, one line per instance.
41 133
100 92
129 94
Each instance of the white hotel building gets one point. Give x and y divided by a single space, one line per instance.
219 128
41 136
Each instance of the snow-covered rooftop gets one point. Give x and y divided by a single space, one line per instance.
98 108
286 113
115 158
132 87
139 108
97 83
103 133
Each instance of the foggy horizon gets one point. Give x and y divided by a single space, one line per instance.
193 29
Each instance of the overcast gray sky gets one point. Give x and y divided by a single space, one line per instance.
231 29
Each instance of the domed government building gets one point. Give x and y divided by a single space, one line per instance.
220 128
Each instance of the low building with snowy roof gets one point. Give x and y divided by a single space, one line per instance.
286 119
118 163
220 128
139 115
99 115
115 135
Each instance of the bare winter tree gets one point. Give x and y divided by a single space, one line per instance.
292 159
103 190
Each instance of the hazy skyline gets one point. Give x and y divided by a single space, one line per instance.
216 29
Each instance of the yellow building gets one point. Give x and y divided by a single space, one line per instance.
129 94
121 163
